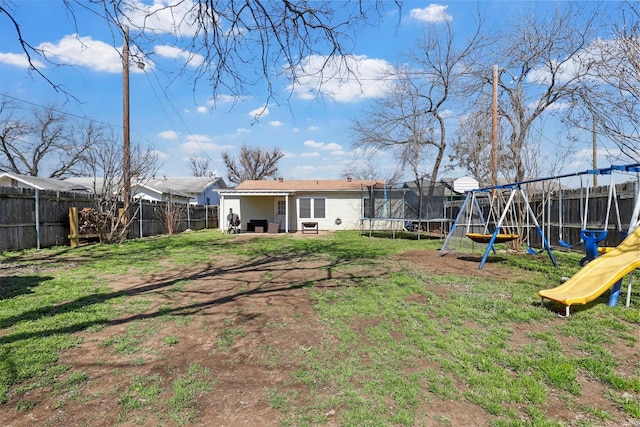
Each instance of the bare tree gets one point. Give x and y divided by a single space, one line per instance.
410 121
199 166
608 101
43 143
252 163
472 148
172 214
540 59
104 160
366 167
398 124
225 39
13 130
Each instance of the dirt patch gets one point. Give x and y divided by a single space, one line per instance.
245 322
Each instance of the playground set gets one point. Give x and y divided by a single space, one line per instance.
504 213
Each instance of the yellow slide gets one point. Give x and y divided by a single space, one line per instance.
598 275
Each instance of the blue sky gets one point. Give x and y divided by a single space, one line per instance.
312 128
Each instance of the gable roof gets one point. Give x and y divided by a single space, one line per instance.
179 186
308 185
188 184
41 183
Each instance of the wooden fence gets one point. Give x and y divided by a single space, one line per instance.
39 219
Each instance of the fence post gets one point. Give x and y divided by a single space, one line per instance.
74 240
37 219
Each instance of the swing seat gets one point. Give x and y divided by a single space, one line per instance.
591 239
485 238
564 244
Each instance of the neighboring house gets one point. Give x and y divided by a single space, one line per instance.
14 180
202 190
333 204
194 190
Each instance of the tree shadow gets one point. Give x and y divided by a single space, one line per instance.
272 265
13 286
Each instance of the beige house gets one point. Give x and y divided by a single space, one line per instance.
288 204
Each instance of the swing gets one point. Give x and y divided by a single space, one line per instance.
584 202
592 237
497 233
545 200
486 237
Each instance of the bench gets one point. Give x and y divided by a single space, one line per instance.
253 223
310 227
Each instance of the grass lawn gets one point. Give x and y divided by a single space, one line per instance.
210 329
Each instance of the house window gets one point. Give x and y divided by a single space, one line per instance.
318 208
312 208
281 207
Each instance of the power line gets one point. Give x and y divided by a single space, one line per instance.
175 111
66 113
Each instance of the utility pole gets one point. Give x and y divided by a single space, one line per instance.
126 161
595 151
494 129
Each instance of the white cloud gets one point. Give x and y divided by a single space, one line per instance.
166 51
87 52
168 134
197 143
276 123
84 51
433 13
259 112
603 51
559 106
332 146
19 60
161 155
225 99
311 154
203 110
342 78
313 128
312 143
163 16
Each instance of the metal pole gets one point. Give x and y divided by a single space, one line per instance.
37 219
126 163
595 151
494 129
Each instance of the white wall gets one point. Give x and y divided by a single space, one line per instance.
345 206
146 194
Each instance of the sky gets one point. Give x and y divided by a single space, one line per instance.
181 120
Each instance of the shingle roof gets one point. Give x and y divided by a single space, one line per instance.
308 185
189 184
40 183
175 185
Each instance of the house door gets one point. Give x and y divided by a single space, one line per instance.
280 211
